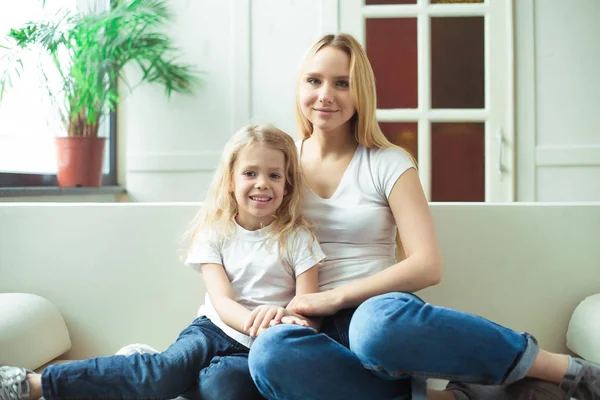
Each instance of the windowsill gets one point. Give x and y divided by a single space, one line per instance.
38 191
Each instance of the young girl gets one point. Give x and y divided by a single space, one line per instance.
378 335
255 251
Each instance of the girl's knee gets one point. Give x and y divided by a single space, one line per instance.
227 378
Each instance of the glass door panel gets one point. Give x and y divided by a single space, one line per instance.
458 162
378 2
392 49
455 1
403 134
457 62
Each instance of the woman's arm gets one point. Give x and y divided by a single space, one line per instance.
421 268
306 283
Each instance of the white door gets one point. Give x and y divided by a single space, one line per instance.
444 75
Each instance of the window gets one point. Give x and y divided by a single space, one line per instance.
29 121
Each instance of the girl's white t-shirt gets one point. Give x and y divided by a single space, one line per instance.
355 226
255 271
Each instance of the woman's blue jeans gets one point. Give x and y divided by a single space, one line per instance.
384 350
204 362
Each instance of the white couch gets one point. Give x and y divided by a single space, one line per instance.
114 273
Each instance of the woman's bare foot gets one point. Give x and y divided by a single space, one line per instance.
549 367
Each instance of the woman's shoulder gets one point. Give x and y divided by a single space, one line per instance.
388 155
386 165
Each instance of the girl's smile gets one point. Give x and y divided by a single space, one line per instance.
259 185
261 200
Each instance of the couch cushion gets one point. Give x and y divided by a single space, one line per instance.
583 336
32 330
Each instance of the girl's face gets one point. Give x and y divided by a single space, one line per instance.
259 185
324 90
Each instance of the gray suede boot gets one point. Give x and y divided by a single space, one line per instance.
582 380
13 383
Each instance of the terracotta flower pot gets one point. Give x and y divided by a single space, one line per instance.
80 161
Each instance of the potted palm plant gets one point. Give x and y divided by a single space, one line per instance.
89 53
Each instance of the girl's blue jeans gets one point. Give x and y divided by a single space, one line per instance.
385 349
204 362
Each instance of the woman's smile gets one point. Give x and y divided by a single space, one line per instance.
325 110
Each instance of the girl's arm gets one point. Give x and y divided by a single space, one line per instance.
421 268
223 298
230 311
237 316
306 283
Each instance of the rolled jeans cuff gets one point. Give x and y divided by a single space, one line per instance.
525 362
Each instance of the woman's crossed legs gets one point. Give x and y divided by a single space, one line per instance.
391 338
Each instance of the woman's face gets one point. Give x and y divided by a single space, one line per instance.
324 90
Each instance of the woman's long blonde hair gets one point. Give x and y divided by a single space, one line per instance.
219 210
364 124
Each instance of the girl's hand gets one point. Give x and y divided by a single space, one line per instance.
261 317
290 319
316 304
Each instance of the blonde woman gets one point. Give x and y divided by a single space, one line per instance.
255 251
376 334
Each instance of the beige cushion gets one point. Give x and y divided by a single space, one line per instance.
32 331
583 336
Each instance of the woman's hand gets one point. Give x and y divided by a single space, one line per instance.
316 304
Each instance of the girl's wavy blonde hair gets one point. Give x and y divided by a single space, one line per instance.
219 210
364 123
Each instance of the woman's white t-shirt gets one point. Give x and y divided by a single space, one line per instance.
355 226
255 271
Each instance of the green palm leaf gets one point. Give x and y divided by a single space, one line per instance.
90 52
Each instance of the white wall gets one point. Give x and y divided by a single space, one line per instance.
170 147
558 101
249 51
282 31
